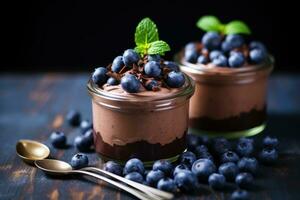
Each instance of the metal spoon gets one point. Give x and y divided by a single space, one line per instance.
57 167
31 151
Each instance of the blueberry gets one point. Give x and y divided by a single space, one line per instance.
113 167
190 46
229 170
73 117
268 155
248 165
58 139
235 40
203 168
172 66
192 141
244 180
152 69
163 165
202 59
220 61
134 165
226 47
216 181
151 84
130 83
99 76
83 143
214 54
257 45
270 142
186 181
175 79
154 176
211 40
236 59
154 57
85 125
191 55
135 176
112 81
200 150
257 56
244 148
206 155
79 160
240 195
220 145
188 158
244 139
130 57
229 156
179 168
117 64
167 184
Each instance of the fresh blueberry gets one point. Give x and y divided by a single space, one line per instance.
226 47
220 145
85 125
229 156
188 158
244 148
130 83
192 141
151 84
154 57
248 165
245 139
79 160
58 139
180 168
257 45
240 195
229 170
191 55
112 81
113 167
202 59
268 155
244 180
202 168
83 143
214 54
99 76
154 176
216 181
130 57
73 117
172 66
186 181
134 165
220 61
235 40
236 59
200 150
167 184
152 69
117 64
257 56
206 155
175 79
190 46
163 165
211 40
271 142
135 176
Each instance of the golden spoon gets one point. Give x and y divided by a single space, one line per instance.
31 151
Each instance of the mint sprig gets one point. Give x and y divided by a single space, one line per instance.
212 23
147 39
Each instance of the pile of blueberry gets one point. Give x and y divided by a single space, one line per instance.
225 51
216 162
133 72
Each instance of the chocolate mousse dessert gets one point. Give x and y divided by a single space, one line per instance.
140 102
231 73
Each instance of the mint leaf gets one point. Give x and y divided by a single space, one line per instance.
209 23
146 32
158 47
236 27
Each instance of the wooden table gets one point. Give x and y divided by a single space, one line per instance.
31 106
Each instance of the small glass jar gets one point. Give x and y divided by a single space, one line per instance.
146 127
228 102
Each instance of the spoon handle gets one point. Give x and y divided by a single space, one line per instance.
130 190
147 189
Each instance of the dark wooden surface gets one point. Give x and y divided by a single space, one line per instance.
31 106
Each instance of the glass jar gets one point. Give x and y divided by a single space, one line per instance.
148 127
228 102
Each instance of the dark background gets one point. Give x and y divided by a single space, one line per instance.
78 35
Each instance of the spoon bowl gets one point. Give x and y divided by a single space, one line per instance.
53 166
31 151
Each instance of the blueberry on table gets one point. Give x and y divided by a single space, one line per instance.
202 168
211 40
152 69
154 57
130 57
130 83
85 125
257 56
206 155
151 84
220 145
175 79
117 64
167 184
172 66
135 176
191 55
113 167
134 165
202 59
192 141
226 46
190 46
257 45
229 156
82 143
240 195
154 176
112 81
58 139
163 165
99 76
271 142
268 156
200 150
248 165
236 59
216 181
179 168
186 181
244 180
229 170
73 117
244 147
234 40
187 158
79 160
214 54
220 61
